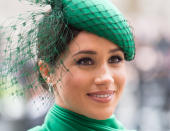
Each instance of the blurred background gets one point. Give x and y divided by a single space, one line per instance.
145 104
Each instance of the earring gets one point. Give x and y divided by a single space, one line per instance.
50 87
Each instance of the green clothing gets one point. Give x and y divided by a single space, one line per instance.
60 119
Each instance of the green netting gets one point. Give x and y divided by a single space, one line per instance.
44 35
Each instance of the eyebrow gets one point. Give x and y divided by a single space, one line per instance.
94 52
115 50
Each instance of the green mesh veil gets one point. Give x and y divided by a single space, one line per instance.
44 35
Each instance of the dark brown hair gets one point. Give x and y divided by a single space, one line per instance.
54 35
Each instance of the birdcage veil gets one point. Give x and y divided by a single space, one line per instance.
41 35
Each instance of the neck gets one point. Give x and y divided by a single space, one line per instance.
65 119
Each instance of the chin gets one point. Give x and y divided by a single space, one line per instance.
101 115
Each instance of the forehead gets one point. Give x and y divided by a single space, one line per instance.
89 41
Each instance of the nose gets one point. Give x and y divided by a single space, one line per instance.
104 76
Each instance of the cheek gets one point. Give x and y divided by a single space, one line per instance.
120 79
76 79
74 88
75 83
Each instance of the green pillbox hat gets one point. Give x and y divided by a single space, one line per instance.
102 18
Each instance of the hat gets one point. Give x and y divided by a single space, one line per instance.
44 35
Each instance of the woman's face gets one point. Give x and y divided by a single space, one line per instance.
95 79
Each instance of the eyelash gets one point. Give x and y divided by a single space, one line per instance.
118 59
83 61
88 61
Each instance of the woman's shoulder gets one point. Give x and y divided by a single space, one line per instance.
39 128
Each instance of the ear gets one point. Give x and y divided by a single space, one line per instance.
44 70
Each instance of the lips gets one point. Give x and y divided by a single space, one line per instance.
101 96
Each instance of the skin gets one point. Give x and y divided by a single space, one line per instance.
94 64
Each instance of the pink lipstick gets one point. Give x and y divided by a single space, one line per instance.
101 96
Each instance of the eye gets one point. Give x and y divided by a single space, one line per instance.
115 59
85 61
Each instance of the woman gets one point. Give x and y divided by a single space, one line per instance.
82 48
